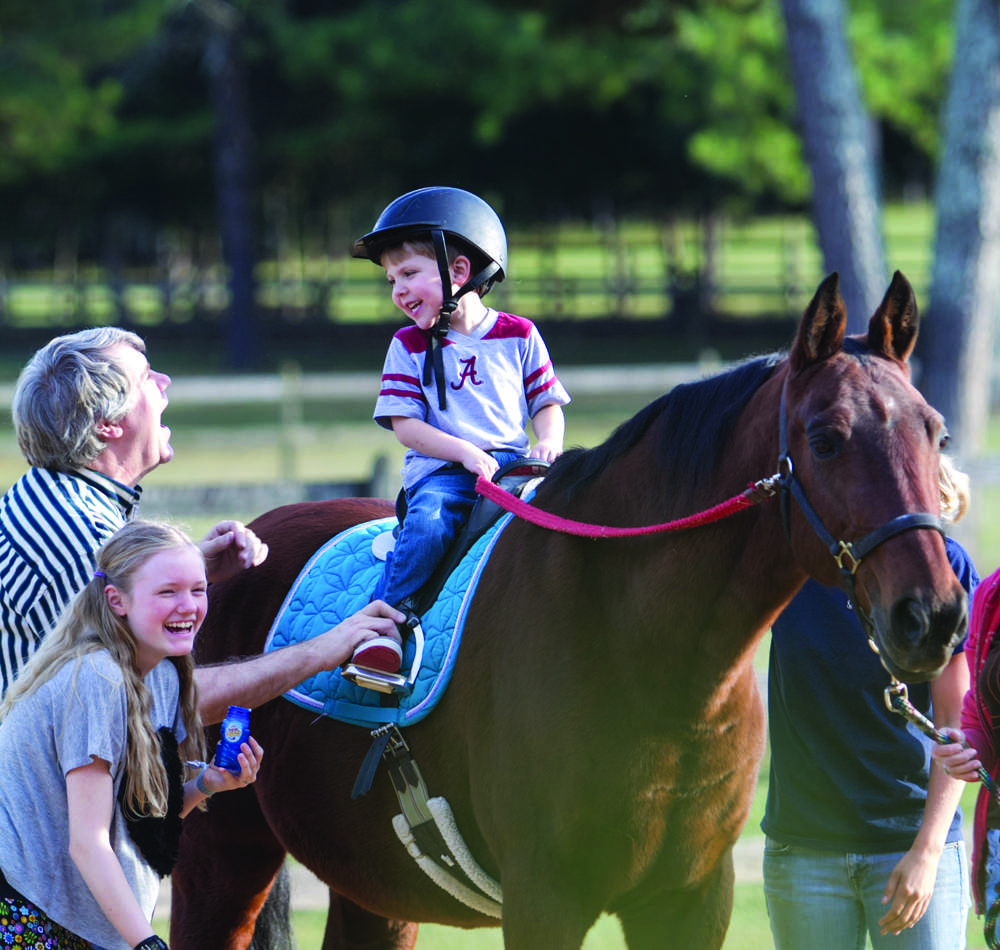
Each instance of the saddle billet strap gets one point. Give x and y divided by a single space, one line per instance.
366 774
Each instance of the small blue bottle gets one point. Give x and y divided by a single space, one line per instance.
235 731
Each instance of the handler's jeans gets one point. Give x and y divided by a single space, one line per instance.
991 892
819 900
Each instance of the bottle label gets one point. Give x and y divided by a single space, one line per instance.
232 731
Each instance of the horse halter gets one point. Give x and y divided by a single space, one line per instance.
847 554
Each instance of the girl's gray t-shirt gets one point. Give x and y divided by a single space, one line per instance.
77 715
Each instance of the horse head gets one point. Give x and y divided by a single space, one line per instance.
861 444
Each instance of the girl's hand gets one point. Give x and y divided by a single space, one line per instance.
957 758
214 779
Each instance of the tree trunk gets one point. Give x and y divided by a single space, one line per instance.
233 172
838 139
956 338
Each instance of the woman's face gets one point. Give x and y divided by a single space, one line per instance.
166 606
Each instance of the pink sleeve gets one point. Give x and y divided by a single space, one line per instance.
981 627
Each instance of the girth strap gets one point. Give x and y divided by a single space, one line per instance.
424 823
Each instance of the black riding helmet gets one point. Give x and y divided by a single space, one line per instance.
442 213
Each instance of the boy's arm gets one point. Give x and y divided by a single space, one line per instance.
424 438
550 430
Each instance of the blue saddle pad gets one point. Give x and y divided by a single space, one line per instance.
339 580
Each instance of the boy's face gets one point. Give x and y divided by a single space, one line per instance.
416 285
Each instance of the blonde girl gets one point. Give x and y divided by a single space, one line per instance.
94 733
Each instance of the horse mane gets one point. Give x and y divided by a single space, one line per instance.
698 418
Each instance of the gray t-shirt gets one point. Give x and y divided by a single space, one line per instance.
498 378
78 714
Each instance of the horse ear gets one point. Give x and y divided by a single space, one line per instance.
821 332
892 330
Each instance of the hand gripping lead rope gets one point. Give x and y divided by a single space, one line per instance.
897 701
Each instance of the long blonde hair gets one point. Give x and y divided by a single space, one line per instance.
954 487
89 624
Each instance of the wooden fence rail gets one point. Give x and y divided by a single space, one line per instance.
288 392
765 266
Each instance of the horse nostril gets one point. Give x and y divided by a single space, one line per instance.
909 620
949 623
915 625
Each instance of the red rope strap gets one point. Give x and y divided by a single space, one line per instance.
544 519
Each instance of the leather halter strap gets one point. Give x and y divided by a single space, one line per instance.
847 554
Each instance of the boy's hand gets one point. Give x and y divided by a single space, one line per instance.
478 462
547 450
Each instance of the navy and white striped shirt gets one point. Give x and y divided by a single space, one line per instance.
51 525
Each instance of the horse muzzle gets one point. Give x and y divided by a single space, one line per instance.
914 640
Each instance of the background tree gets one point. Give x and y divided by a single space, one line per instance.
956 344
839 146
550 108
233 157
646 107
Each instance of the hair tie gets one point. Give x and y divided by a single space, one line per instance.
99 574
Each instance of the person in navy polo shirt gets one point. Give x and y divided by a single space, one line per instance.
864 831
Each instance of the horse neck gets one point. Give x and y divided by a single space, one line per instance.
706 593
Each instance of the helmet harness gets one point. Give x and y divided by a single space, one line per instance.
434 360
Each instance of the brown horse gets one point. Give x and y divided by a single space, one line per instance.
600 739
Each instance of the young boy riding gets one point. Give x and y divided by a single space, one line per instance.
458 386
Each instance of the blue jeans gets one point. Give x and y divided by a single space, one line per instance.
437 508
824 900
991 891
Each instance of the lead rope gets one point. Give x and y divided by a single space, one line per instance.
754 494
897 701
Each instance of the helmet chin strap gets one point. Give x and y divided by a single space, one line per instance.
434 360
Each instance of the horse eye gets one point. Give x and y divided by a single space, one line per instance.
823 446
944 442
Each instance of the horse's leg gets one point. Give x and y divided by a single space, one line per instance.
350 927
272 929
684 918
537 913
226 866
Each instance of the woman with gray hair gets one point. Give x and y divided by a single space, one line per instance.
66 388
